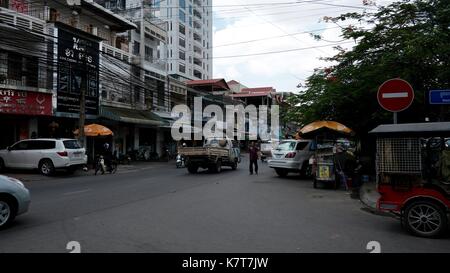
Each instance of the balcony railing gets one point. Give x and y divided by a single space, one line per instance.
117 53
22 21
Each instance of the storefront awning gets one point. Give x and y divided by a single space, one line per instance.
132 116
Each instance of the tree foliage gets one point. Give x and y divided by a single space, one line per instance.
408 39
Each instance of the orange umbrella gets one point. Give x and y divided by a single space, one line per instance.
332 125
95 130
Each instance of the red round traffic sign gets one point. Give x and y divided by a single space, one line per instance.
395 95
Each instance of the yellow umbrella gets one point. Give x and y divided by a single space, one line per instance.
95 130
332 125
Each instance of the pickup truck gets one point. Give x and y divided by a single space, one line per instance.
214 154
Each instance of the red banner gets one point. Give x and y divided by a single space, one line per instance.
20 6
25 103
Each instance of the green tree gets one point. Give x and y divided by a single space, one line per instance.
408 39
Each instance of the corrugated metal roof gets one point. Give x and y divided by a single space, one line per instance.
412 128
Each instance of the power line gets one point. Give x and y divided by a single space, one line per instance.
275 37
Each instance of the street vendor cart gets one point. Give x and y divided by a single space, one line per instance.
327 135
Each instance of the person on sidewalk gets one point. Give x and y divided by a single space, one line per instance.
253 154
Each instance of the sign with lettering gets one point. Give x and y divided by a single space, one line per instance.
78 68
25 103
440 96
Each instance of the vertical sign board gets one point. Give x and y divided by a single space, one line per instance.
78 69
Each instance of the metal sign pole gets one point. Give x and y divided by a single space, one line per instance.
395 117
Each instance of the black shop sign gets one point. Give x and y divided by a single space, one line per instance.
78 69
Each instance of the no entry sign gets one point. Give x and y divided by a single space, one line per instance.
395 95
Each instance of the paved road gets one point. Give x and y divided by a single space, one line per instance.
163 209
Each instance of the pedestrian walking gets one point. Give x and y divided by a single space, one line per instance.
253 154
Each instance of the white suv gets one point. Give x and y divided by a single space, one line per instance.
292 156
44 154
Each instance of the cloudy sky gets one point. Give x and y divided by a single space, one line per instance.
237 22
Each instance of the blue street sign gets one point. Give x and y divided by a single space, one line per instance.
440 96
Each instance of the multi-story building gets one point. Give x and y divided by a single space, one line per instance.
50 52
190 36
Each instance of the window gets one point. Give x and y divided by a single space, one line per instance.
23 145
148 54
182 68
301 145
182 42
41 145
286 146
182 55
136 47
182 16
15 66
54 15
182 4
182 29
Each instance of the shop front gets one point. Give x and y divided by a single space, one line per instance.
133 129
23 114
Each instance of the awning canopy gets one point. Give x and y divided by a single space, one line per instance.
132 116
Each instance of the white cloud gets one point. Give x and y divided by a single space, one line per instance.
234 23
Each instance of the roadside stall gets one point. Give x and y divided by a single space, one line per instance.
331 151
96 136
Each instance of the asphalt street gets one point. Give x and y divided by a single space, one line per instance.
158 208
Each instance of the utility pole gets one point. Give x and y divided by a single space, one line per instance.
82 119
83 84
142 52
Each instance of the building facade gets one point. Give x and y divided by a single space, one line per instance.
50 53
190 36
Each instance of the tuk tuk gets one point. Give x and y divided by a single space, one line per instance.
326 135
413 175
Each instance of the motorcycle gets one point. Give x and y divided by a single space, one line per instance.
180 161
102 167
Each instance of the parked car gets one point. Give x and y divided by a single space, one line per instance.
44 154
292 156
14 199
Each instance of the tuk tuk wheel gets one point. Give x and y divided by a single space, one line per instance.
425 219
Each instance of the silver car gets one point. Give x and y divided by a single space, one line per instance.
292 156
14 199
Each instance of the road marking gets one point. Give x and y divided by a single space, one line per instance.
76 192
395 95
